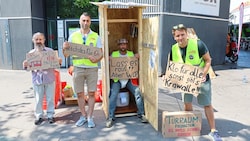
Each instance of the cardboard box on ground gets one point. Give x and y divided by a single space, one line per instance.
68 92
181 124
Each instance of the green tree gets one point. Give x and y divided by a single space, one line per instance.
74 8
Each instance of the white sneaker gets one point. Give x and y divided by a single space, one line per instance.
91 123
81 121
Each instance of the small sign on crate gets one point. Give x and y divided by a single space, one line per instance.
181 124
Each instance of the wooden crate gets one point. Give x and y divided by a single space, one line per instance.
117 22
70 101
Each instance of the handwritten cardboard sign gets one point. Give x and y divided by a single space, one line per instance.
124 67
181 123
84 51
42 60
184 78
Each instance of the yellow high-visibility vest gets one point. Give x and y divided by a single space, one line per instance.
192 54
91 40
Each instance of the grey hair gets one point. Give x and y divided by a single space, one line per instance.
37 34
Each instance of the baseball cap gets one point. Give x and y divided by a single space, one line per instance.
122 41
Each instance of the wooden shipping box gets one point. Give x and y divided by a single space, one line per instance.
71 101
181 124
124 20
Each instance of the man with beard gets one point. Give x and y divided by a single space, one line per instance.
43 82
85 69
117 84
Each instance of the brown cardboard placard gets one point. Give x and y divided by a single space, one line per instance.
184 78
84 51
68 92
181 123
124 67
42 60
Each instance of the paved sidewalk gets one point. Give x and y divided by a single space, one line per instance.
230 100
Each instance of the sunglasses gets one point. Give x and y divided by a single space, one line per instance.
179 26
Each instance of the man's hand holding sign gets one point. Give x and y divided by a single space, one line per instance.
81 50
124 67
42 60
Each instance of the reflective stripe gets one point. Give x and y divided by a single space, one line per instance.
192 54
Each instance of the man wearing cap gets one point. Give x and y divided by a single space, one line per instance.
117 84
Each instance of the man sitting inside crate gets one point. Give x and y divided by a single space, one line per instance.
117 84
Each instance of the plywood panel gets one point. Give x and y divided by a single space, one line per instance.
117 31
104 61
149 60
131 13
115 24
110 33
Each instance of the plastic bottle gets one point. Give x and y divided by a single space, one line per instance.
244 80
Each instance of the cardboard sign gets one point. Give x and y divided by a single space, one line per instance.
124 67
181 124
42 60
184 78
84 51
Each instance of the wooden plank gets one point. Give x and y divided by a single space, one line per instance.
70 101
103 28
149 73
125 115
122 20
125 13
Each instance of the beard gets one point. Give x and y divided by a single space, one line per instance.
39 46
123 50
84 26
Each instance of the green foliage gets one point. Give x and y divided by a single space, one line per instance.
67 9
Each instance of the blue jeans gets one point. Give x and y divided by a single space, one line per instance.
114 91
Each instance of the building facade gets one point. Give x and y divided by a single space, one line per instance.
209 18
18 21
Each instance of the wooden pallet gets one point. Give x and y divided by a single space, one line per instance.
70 101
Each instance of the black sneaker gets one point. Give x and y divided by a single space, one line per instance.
39 121
51 120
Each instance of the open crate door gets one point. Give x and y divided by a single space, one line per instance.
149 64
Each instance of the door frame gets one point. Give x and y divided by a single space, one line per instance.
5 45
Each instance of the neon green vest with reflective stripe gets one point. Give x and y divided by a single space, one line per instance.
91 40
192 54
117 54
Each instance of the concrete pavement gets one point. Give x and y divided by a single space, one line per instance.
230 100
